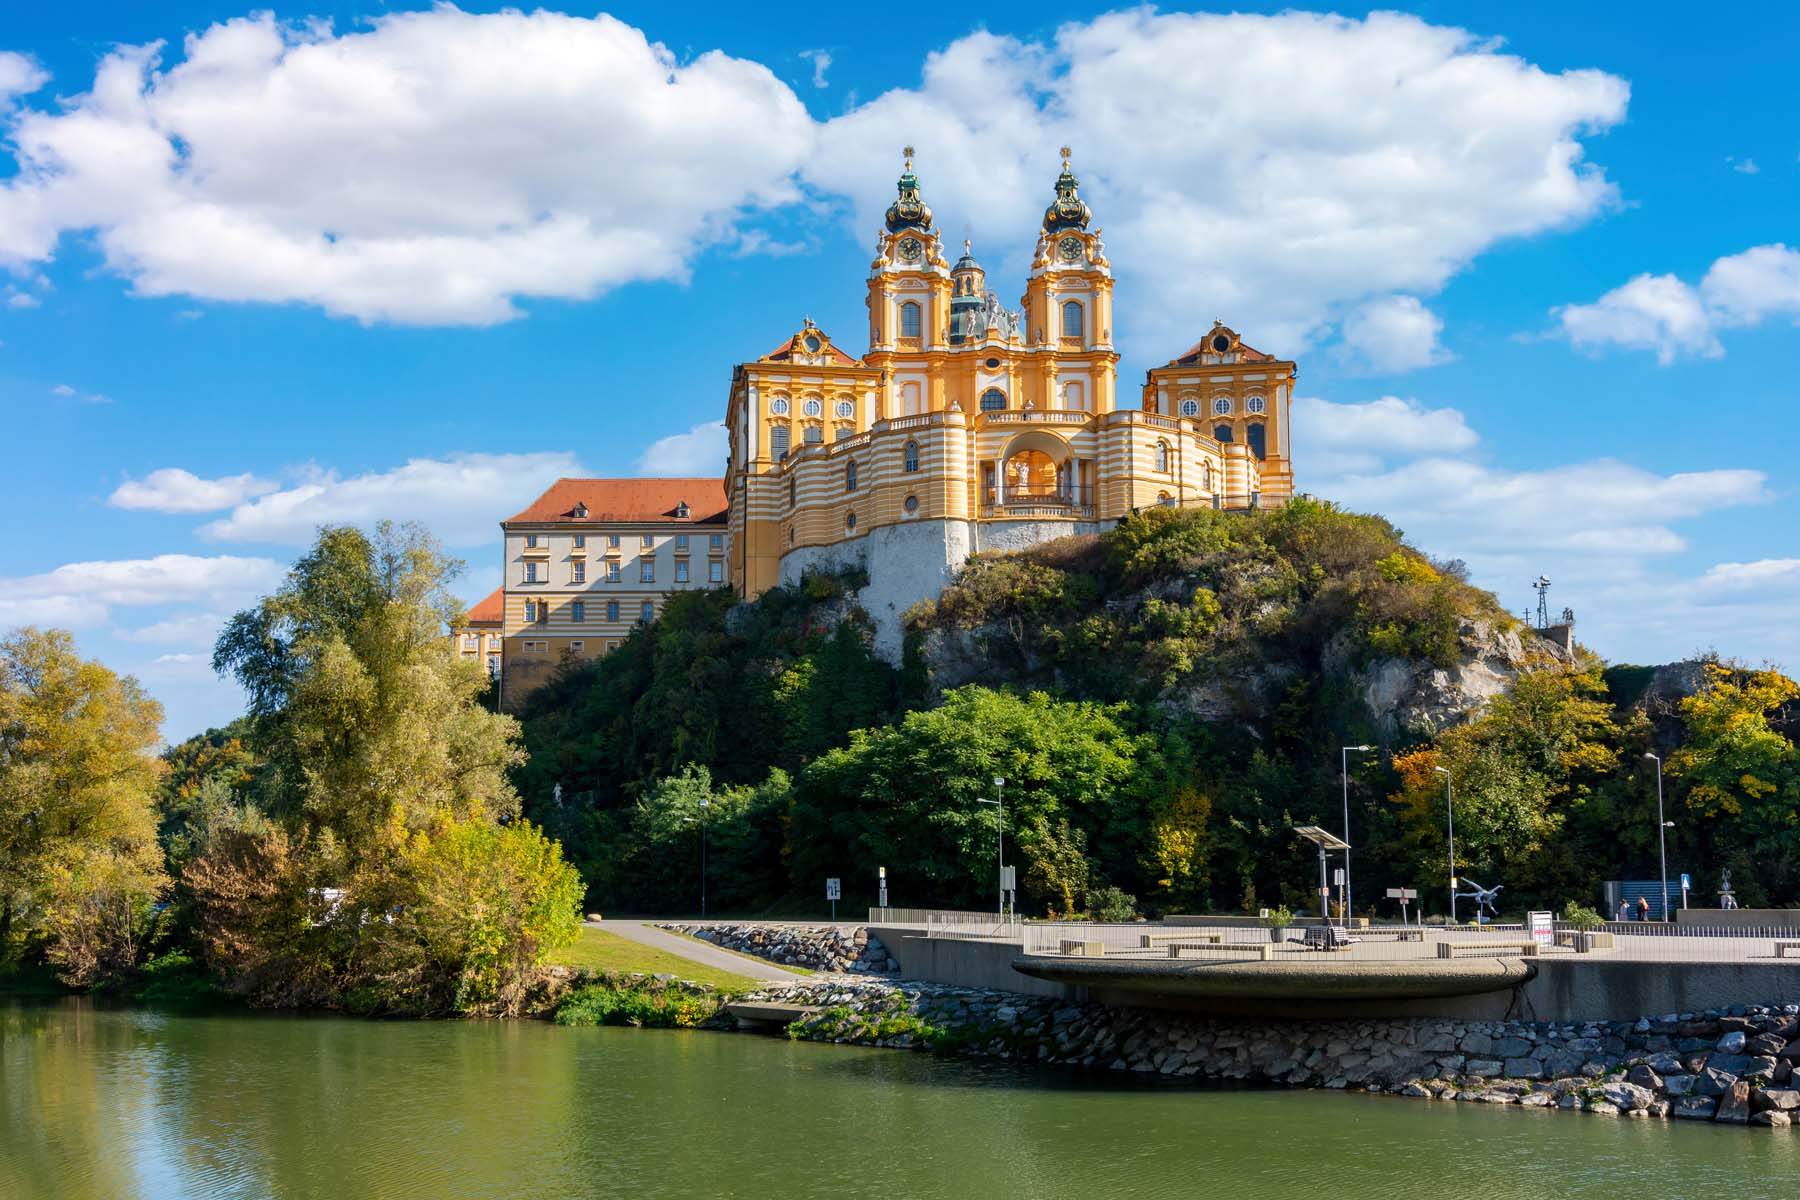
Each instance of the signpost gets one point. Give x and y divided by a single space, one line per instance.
1543 931
834 890
1009 887
1403 895
1686 883
883 873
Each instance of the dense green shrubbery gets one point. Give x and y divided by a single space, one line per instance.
638 1000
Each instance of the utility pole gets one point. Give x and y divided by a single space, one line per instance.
1450 818
1344 764
999 801
1662 842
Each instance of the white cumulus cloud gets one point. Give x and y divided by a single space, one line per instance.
1391 334
427 167
1676 319
173 490
699 451
1333 440
84 593
435 167
19 76
461 498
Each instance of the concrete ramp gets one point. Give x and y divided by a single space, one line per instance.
767 1015
1406 979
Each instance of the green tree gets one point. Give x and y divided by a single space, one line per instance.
79 862
909 795
370 726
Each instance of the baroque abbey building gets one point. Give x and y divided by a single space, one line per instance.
968 427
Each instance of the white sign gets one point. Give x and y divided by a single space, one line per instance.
1337 876
1542 931
834 889
1402 894
1009 878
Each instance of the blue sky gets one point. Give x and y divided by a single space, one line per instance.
1541 270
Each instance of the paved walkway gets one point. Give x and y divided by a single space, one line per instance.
698 951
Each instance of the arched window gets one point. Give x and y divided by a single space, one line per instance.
909 400
1221 433
778 442
1190 407
1071 313
1074 396
909 319
850 476
912 456
1206 476
1162 456
1256 437
793 492
993 400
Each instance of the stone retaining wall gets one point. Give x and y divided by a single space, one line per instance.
833 948
1734 1066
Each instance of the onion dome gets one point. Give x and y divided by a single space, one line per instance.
1067 211
908 212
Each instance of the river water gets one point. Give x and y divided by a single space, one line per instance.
120 1103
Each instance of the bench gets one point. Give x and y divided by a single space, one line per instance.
1259 950
1326 937
1148 940
1781 948
1452 949
1083 949
1399 934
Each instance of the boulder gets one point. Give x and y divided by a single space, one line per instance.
1734 1105
1781 1099
1524 1068
1694 1108
1644 1077
1629 1096
1732 1043
1773 1117
1714 1082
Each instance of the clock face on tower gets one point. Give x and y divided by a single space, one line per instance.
1070 249
910 249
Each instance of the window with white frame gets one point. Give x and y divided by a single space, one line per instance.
1072 319
646 570
681 571
815 408
1256 404
647 541
612 610
778 442
531 612
1222 406
911 458
612 572
647 612
577 610
578 573
911 319
993 400
715 572
531 575
1162 456
846 409
1190 407
715 542
779 406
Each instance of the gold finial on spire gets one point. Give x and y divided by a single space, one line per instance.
1065 153
966 245
908 151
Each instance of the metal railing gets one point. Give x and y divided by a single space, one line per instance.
1628 942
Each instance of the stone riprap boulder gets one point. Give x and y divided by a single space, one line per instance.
838 949
1664 1067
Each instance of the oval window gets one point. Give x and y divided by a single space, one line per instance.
1222 406
814 408
1190 408
1255 404
911 505
779 406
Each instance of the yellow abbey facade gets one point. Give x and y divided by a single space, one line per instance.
969 427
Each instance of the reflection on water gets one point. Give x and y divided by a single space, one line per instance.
111 1104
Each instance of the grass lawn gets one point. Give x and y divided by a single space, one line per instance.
599 950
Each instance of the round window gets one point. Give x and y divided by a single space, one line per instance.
911 505
846 409
1190 408
779 406
849 520
814 408
1221 343
1222 406
991 363
1255 404
813 344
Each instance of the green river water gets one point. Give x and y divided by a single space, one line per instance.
120 1103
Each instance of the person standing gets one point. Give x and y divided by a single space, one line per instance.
1643 908
1624 910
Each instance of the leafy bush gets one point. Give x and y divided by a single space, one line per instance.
1112 904
1580 916
639 1001
1279 917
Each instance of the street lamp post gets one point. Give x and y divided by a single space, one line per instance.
999 801
1662 841
1450 818
1344 772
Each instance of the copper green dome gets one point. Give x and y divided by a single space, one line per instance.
908 212
1067 211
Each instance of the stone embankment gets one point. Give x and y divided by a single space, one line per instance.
835 948
1733 1066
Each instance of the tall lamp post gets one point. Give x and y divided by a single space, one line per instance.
999 801
1345 774
1450 818
1662 841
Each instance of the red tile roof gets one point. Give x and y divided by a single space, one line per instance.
628 500
491 611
